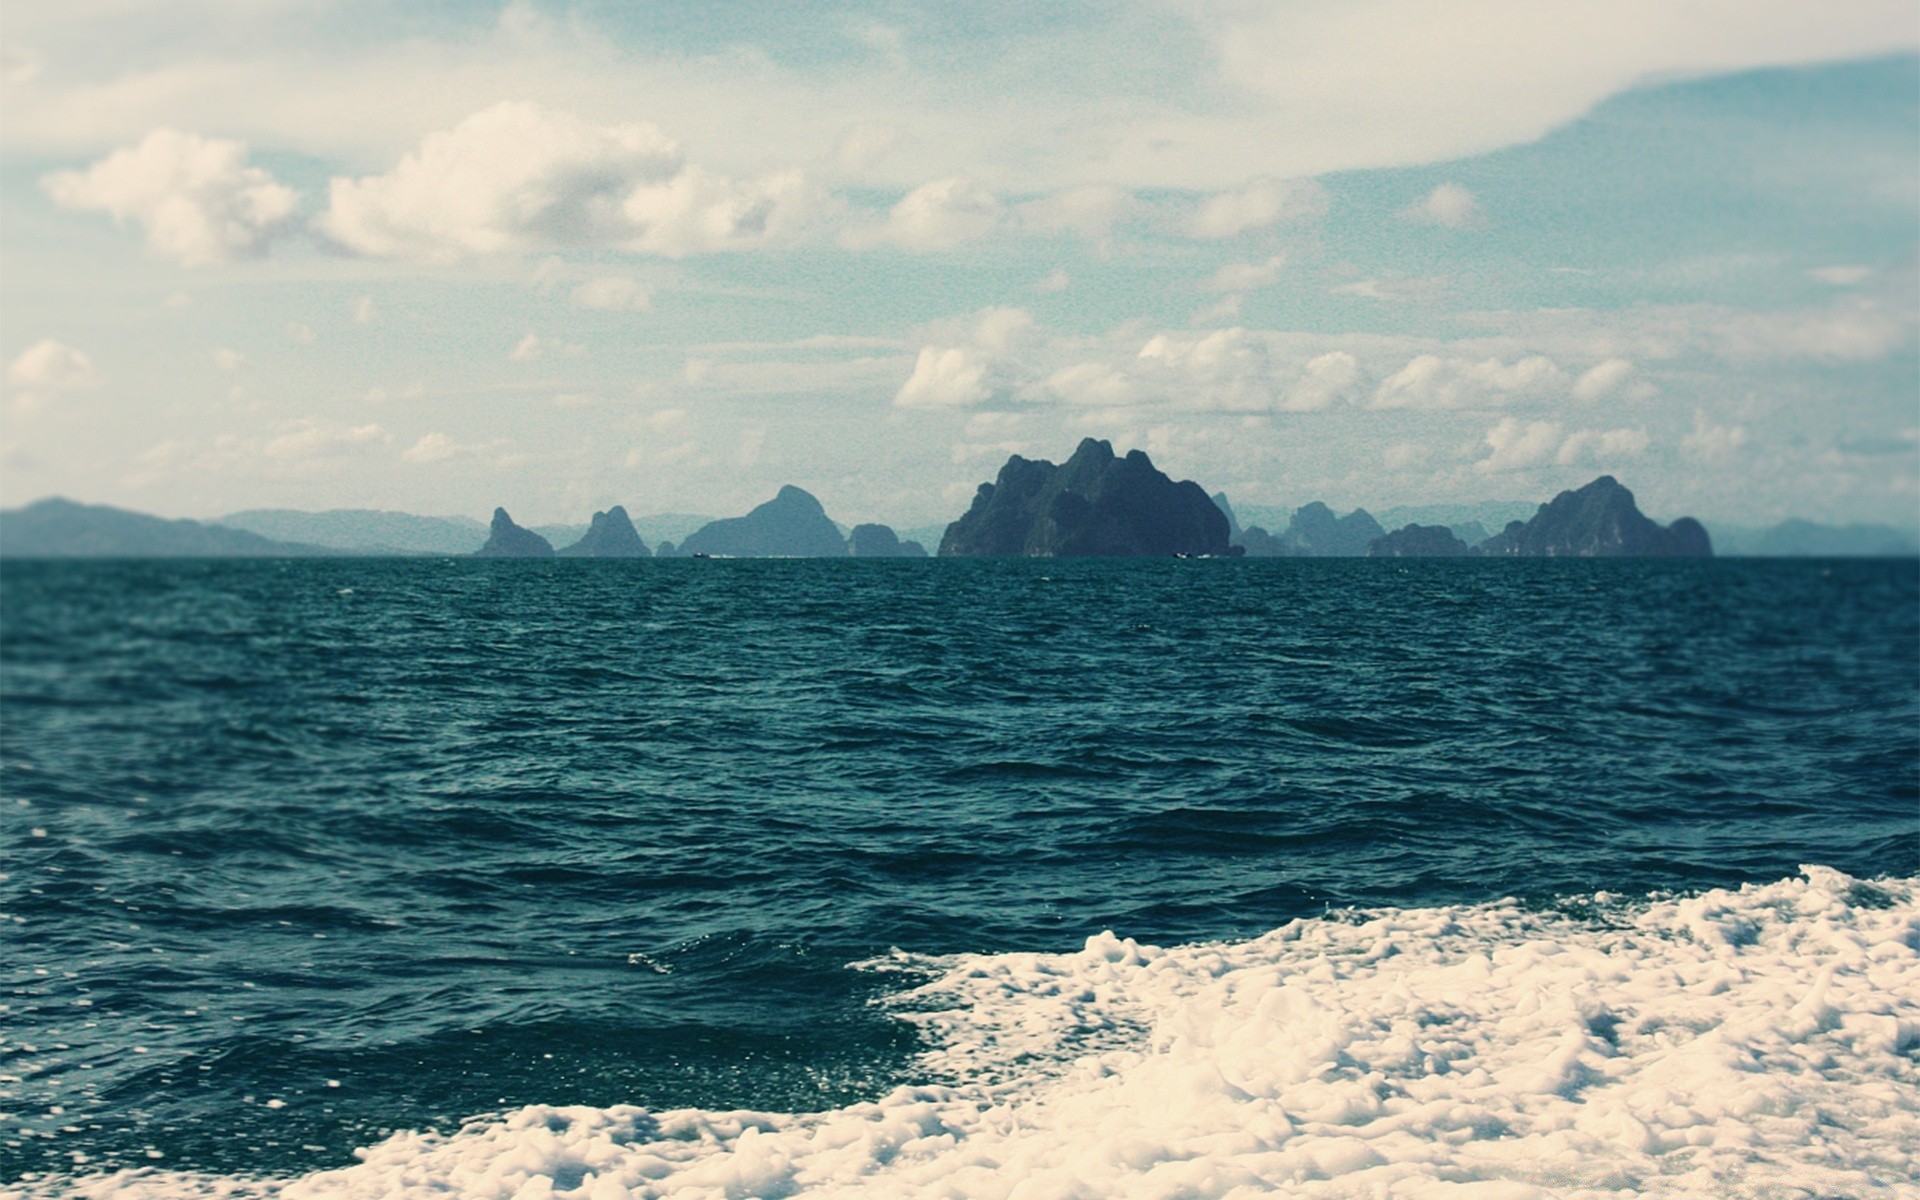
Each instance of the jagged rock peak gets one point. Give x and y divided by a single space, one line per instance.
611 535
1599 520
1093 505
791 525
880 541
1419 541
507 540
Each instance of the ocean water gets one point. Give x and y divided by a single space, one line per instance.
959 878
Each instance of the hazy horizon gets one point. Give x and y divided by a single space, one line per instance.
555 257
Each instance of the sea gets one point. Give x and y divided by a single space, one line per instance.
1034 880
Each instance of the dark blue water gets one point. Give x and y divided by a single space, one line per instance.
297 853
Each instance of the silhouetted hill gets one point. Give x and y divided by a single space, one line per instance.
1599 520
610 536
791 525
507 540
1811 539
61 528
364 530
880 541
1317 533
1419 541
1093 505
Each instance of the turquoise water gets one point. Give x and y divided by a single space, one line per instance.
299 853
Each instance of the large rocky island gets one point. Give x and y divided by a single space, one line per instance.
1599 520
791 525
507 540
611 535
1093 505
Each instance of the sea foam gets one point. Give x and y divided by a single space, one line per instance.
1758 1043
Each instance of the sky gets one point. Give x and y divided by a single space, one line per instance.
439 257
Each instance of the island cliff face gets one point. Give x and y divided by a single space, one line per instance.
611 535
791 525
1419 541
1092 505
880 541
1599 520
507 540
1317 533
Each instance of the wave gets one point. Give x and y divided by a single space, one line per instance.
1760 1042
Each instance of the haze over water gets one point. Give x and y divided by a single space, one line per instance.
300 853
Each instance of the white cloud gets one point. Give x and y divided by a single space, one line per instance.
516 178
1429 381
1091 211
533 347
1258 204
1710 442
1841 276
196 198
1603 446
620 292
309 440
940 215
1056 280
432 447
300 332
1402 455
950 377
229 360
1602 379
438 447
53 366
1246 277
1394 291
1448 205
1516 446
363 311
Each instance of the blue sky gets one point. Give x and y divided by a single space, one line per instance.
560 256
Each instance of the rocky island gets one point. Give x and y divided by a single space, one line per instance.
507 540
791 525
1599 520
1093 505
611 535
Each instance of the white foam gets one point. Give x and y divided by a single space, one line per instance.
1758 1043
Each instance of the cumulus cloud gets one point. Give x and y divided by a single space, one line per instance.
1711 442
46 369
1608 445
945 377
1431 382
310 440
1448 205
935 216
228 359
438 447
1256 205
619 292
1056 280
51 366
1603 379
1091 211
533 347
196 198
973 366
1246 277
517 178
1516 445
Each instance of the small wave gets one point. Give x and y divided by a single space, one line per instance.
1735 1043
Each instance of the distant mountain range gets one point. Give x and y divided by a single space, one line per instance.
1095 503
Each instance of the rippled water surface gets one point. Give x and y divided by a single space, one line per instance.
297 853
